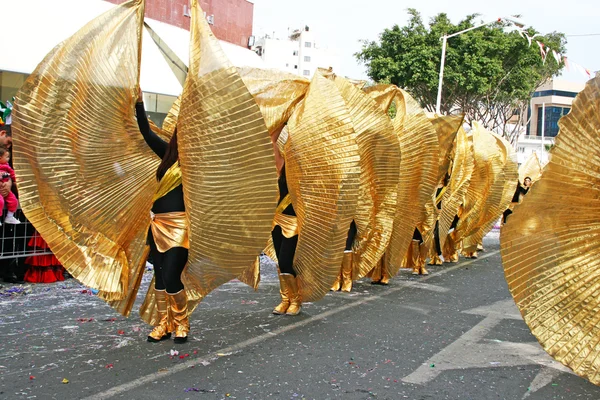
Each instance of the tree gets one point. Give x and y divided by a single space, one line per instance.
490 74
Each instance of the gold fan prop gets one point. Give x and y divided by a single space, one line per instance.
491 187
531 168
551 242
418 168
86 177
460 178
379 151
227 163
322 169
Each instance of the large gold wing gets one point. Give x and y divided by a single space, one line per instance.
275 92
531 168
323 172
460 178
447 127
418 168
379 151
227 163
491 187
550 244
86 177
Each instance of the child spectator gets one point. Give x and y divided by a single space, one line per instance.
7 173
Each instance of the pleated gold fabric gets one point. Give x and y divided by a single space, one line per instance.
460 178
447 127
171 180
550 244
531 168
418 169
227 162
86 177
323 173
275 92
379 151
491 188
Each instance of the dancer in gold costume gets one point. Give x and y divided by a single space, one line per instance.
168 235
285 240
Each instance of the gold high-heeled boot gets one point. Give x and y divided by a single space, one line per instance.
422 258
294 295
415 255
347 271
162 331
284 292
179 314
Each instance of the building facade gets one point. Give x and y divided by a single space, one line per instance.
551 101
298 54
230 20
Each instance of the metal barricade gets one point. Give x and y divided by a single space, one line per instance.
15 238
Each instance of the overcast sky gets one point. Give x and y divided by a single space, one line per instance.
341 24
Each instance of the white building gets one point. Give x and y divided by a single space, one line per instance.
298 54
549 103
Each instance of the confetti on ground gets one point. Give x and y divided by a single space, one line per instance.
174 353
65 381
31 377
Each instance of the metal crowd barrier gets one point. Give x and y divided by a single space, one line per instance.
14 239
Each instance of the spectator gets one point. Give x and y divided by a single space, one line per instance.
8 174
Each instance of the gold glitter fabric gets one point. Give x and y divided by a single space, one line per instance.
86 176
550 244
379 151
530 168
460 178
227 163
418 168
491 188
323 176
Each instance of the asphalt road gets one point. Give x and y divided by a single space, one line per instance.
455 334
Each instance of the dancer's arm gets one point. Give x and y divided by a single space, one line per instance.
157 145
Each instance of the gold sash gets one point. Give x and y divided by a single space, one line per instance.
170 230
168 182
288 223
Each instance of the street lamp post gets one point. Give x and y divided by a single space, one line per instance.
443 59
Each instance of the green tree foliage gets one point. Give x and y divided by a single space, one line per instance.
490 73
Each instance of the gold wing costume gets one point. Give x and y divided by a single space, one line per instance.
531 168
323 175
87 178
491 187
418 168
550 245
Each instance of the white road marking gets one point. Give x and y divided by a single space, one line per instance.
471 350
125 387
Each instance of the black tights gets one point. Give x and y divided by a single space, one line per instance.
285 248
351 235
436 237
168 267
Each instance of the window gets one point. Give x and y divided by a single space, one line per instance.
553 114
287 65
521 149
295 67
306 72
306 58
307 44
295 52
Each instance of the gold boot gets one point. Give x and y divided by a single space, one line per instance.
284 291
179 313
337 285
435 259
162 331
294 294
347 271
422 258
415 255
